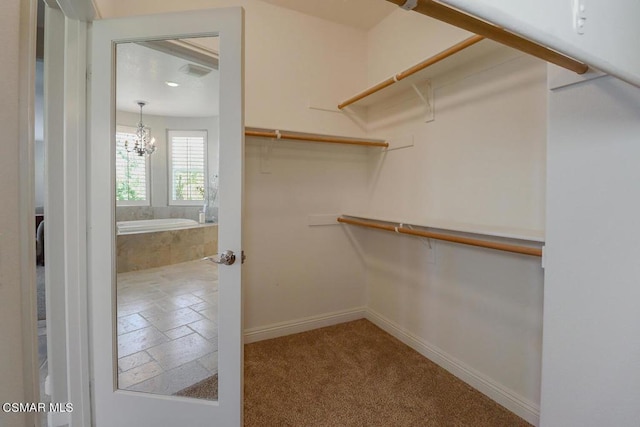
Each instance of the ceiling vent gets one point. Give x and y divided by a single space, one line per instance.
195 70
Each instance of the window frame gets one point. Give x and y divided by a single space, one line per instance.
186 132
147 164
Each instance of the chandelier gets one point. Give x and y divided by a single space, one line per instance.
144 144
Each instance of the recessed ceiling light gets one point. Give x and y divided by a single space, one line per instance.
172 84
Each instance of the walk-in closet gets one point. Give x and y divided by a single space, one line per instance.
330 213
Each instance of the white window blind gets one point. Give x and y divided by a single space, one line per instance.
132 179
187 164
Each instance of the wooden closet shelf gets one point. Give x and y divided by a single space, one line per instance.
491 31
519 249
310 137
415 69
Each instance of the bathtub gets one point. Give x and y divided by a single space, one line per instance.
151 225
158 242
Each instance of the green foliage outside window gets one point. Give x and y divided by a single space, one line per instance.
189 185
130 179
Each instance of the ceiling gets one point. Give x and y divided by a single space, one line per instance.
142 73
362 14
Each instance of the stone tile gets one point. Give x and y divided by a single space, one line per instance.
211 298
174 319
174 380
199 307
130 323
205 327
178 301
164 305
210 313
139 340
178 332
139 374
153 310
134 294
211 236
183 287
210 362
134 307
159 309
187 253
206 288
134 360
194 272
188 237
180 351
143 277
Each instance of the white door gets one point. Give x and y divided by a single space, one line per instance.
166 324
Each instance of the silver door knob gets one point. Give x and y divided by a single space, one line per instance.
226 258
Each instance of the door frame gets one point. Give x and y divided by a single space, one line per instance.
26 60
65 204
67 201
111 405
74 105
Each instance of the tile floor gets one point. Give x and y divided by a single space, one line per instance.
167 327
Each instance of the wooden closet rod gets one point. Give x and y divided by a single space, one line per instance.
447 238
410 71
313 138
470 23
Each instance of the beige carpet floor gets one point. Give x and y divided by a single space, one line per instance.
354 374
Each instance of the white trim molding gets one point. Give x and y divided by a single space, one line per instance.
80 10
26 185
75 220
517 404
282 329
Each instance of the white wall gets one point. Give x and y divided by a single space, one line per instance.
12 387
403 39
295 272
591 359
481 162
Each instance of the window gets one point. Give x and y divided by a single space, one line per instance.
132 172
187 166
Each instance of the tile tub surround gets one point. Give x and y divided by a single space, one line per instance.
132 213
155 249
167 327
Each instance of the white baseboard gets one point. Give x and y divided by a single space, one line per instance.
281 329
517 404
